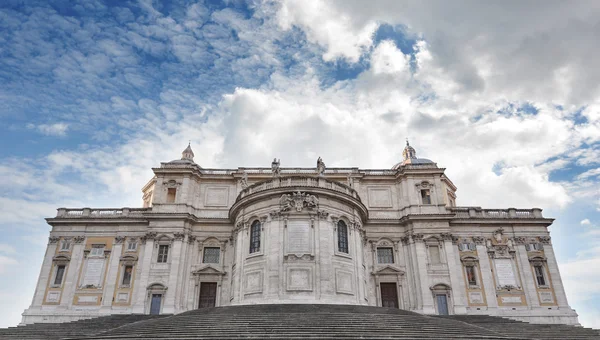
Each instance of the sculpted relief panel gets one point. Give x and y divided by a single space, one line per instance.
299 279
253 282
298 237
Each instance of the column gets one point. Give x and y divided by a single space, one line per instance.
421 259
559 289
169 307
139 306
486 275
40 289
111 275
456 279
70 285
529 283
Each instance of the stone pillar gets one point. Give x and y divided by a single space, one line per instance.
170 298
111 275
423 278
529 282
559 289
139 306
73 272
456 279
487 277
40 289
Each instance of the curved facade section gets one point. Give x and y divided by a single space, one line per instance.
298 240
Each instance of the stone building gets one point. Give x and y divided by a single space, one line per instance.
218 237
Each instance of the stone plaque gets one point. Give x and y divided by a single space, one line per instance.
87 299
380 197
93 272
53 297
299 279
475 297
505 272
343 282
298 237
253 282
122 297
546 297
511 299
216 196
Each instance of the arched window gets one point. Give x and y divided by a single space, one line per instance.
342 233
255 237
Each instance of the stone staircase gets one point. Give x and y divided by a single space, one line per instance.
55 331
514 328
295 322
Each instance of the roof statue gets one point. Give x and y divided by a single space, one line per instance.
320 166
275 167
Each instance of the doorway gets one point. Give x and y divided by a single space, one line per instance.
155 304
389 295
442 304
208 294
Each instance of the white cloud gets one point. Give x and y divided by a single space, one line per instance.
585 222
56 129
6 262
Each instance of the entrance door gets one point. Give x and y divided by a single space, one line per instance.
208 294
155 304
442 304
389 295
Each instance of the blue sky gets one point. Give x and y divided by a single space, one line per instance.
93 94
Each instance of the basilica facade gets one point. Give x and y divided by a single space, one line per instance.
217 237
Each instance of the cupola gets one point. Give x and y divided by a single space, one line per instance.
409 156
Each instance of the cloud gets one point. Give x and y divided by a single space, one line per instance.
6 262
57 129
585 222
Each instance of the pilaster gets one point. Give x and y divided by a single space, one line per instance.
456 280
139 306
40 290
423 276
486 275
529 284
559 289
73 272
111 275
170 298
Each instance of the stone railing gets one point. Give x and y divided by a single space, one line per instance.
100 213
477 212
298 181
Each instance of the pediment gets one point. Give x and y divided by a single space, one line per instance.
208 270
388 270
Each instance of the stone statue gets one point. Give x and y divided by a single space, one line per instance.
244 179
349 180
320 167
275 167
286 202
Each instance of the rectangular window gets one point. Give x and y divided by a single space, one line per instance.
385 255
171 193
163 253
127 275
434 254
255 237
471 276
425 196
97 250
342 233
211 255
539 275
60 272
131 246
65 245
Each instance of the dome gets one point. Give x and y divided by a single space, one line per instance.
409 155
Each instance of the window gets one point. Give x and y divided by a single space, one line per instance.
131 245
539 275
385 255
425 196
342 234
534 246
60 272
255 237
434 254
127 272
471 276
467 246
65 245
97 250
211 255
163 253
171 193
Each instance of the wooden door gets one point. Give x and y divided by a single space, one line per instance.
208 294
442 304
389 295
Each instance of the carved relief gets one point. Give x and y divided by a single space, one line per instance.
191 239
53 239
298 201
119 239
446 236
545 239
179 236
479 240
171 184
78 239
520 240
149 236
